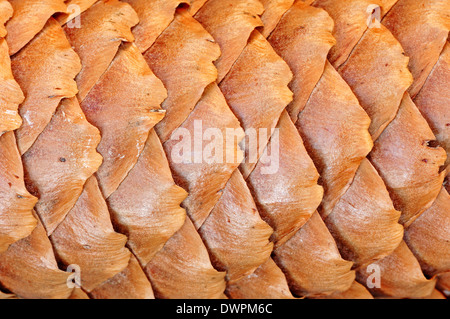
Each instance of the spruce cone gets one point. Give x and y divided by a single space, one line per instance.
224 149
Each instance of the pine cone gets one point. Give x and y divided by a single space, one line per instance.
224 149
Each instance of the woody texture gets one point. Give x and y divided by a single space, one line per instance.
214 149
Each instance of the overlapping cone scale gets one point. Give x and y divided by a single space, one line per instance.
244 149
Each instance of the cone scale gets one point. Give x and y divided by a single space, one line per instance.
213 149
